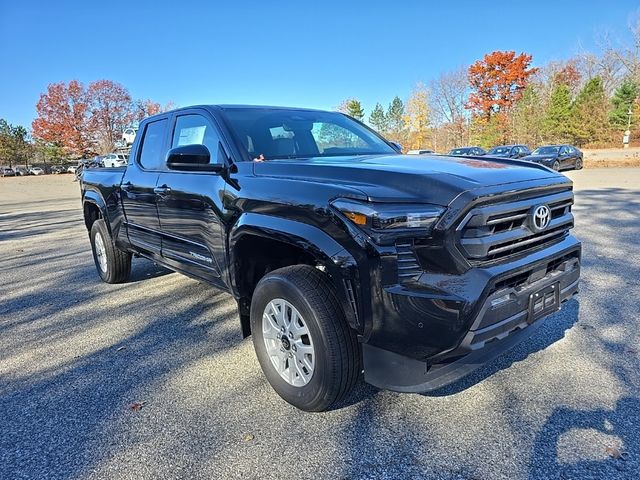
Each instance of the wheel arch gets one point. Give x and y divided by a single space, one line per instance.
288 242
94 207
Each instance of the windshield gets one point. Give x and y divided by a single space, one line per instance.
459 151
281 133
546 151
500 151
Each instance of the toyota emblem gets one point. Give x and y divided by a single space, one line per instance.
540 218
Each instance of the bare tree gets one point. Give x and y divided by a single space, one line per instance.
449 94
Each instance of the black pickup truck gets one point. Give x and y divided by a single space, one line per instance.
343 255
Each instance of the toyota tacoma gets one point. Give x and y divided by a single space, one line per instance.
344 256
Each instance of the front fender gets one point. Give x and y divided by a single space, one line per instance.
338 263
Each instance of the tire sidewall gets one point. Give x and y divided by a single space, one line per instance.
556 166
100 228
315 391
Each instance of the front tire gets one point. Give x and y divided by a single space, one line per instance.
556 166
305 347
113 264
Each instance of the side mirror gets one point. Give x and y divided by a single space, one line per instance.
192 158
396 146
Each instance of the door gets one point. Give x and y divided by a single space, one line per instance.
190 203
138 185
565 158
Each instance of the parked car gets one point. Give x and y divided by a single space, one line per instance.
419 152
129 135
57 169
72 168
343 257
7 172
36 171
114 160
467 151
557 157
510 151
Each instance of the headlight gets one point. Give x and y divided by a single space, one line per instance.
387 218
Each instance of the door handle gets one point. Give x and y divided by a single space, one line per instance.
162 190
126 186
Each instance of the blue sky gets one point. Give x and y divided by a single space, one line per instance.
297 53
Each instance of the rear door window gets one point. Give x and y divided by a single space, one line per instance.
153 145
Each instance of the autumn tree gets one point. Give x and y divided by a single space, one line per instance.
64 118
589 114
395 120
568 75
378 119
145 108
417 118
623 101
111 112
497 82
84 121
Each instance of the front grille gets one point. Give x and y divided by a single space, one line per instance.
408 266
493 231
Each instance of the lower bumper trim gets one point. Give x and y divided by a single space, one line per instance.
391 371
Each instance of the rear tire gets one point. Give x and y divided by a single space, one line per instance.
113 264
579 164
327 373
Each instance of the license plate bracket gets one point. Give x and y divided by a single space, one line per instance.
544 302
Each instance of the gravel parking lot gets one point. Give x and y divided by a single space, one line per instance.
151 379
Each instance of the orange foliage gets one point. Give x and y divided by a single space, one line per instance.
497 82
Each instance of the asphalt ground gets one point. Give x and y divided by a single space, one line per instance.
151 379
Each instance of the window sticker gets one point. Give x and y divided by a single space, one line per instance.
191 135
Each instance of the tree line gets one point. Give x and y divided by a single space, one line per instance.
74 121
588 100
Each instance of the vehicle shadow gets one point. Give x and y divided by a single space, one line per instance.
70 407
619 425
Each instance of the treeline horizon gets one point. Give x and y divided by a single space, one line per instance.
588 100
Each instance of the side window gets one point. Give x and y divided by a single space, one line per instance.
196 129
564 151
151 152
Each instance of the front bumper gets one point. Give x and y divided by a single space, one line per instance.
437 330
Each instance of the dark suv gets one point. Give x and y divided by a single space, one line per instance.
343 255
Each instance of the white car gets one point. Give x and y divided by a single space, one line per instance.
128 136
36 171
115 160
72 168
419 152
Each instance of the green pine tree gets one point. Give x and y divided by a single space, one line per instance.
557 120
354 109
395 120
378 119
623 99
589 120
526 117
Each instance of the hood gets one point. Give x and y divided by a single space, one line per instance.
408 178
